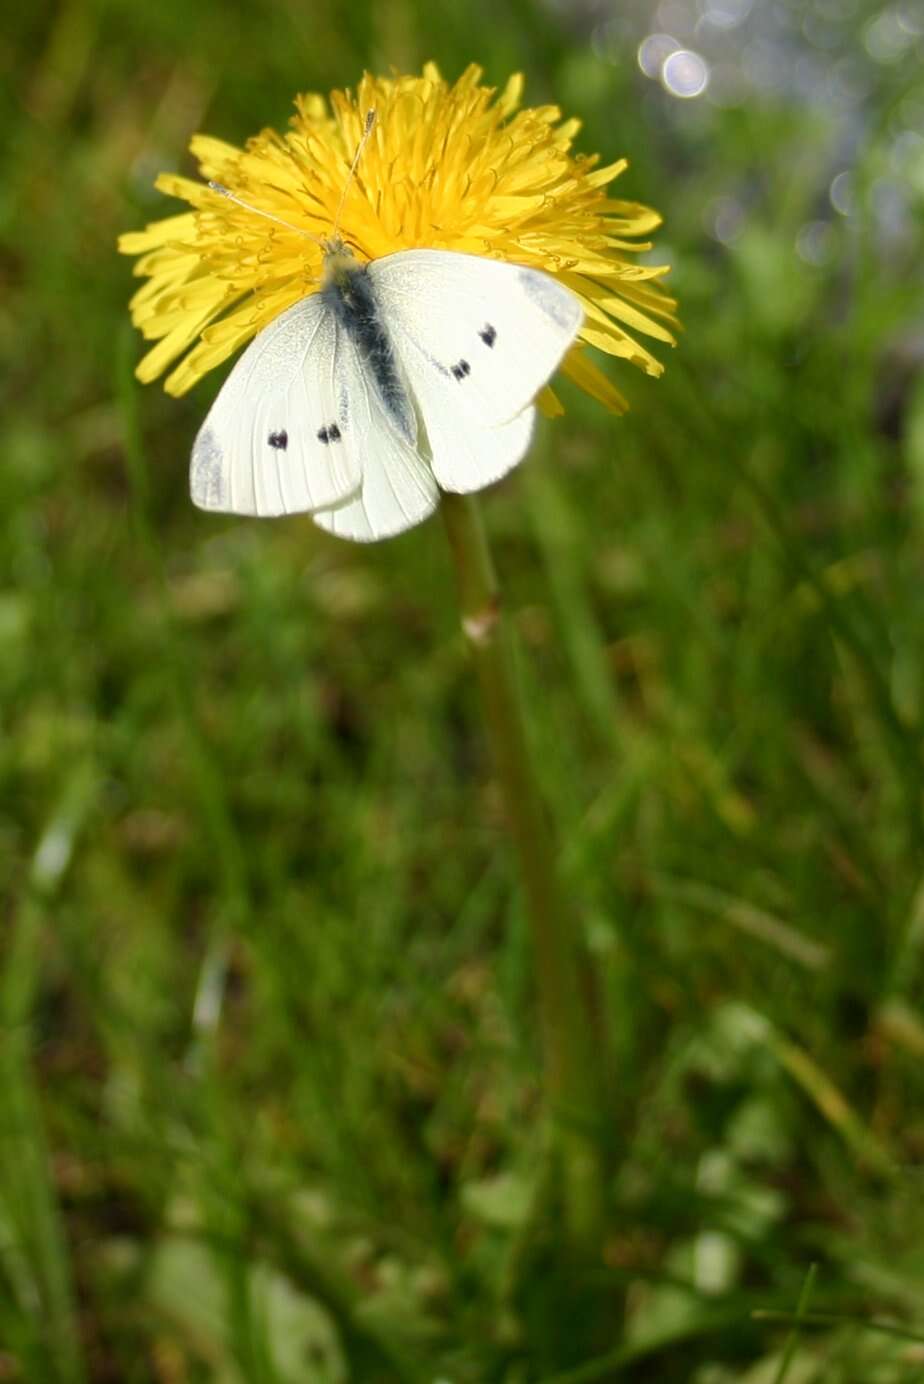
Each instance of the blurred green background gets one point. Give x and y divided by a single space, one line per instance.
268 1075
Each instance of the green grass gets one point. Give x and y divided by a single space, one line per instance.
269 1092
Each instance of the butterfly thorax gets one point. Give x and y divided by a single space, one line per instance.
340 264
348 290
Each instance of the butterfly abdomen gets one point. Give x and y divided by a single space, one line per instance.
350 296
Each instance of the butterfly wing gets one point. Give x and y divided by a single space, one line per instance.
476 339
398 489
298 428
266 446
299 425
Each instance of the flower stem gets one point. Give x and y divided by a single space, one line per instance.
572 1060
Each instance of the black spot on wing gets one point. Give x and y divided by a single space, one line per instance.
460 369
329 434
279 440
488 334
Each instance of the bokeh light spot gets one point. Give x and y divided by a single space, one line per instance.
725 220
886 37
685 74
842 193
654 51
726 14
815 242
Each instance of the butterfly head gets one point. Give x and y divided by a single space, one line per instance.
340 264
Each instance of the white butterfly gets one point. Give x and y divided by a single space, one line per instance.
396 378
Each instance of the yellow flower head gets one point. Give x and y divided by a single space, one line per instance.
447 167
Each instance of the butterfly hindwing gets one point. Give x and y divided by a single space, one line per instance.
398 489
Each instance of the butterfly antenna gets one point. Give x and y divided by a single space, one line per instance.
367 131
267 215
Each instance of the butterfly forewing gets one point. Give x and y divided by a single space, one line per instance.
476 338
272 443
492 332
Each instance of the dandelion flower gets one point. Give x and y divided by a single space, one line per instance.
446 167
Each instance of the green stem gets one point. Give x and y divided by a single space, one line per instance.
572 1060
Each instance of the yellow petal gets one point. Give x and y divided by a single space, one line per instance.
197 194
578 366
151 365
212 154
602 176
512 94
157 233
621 344
548 403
